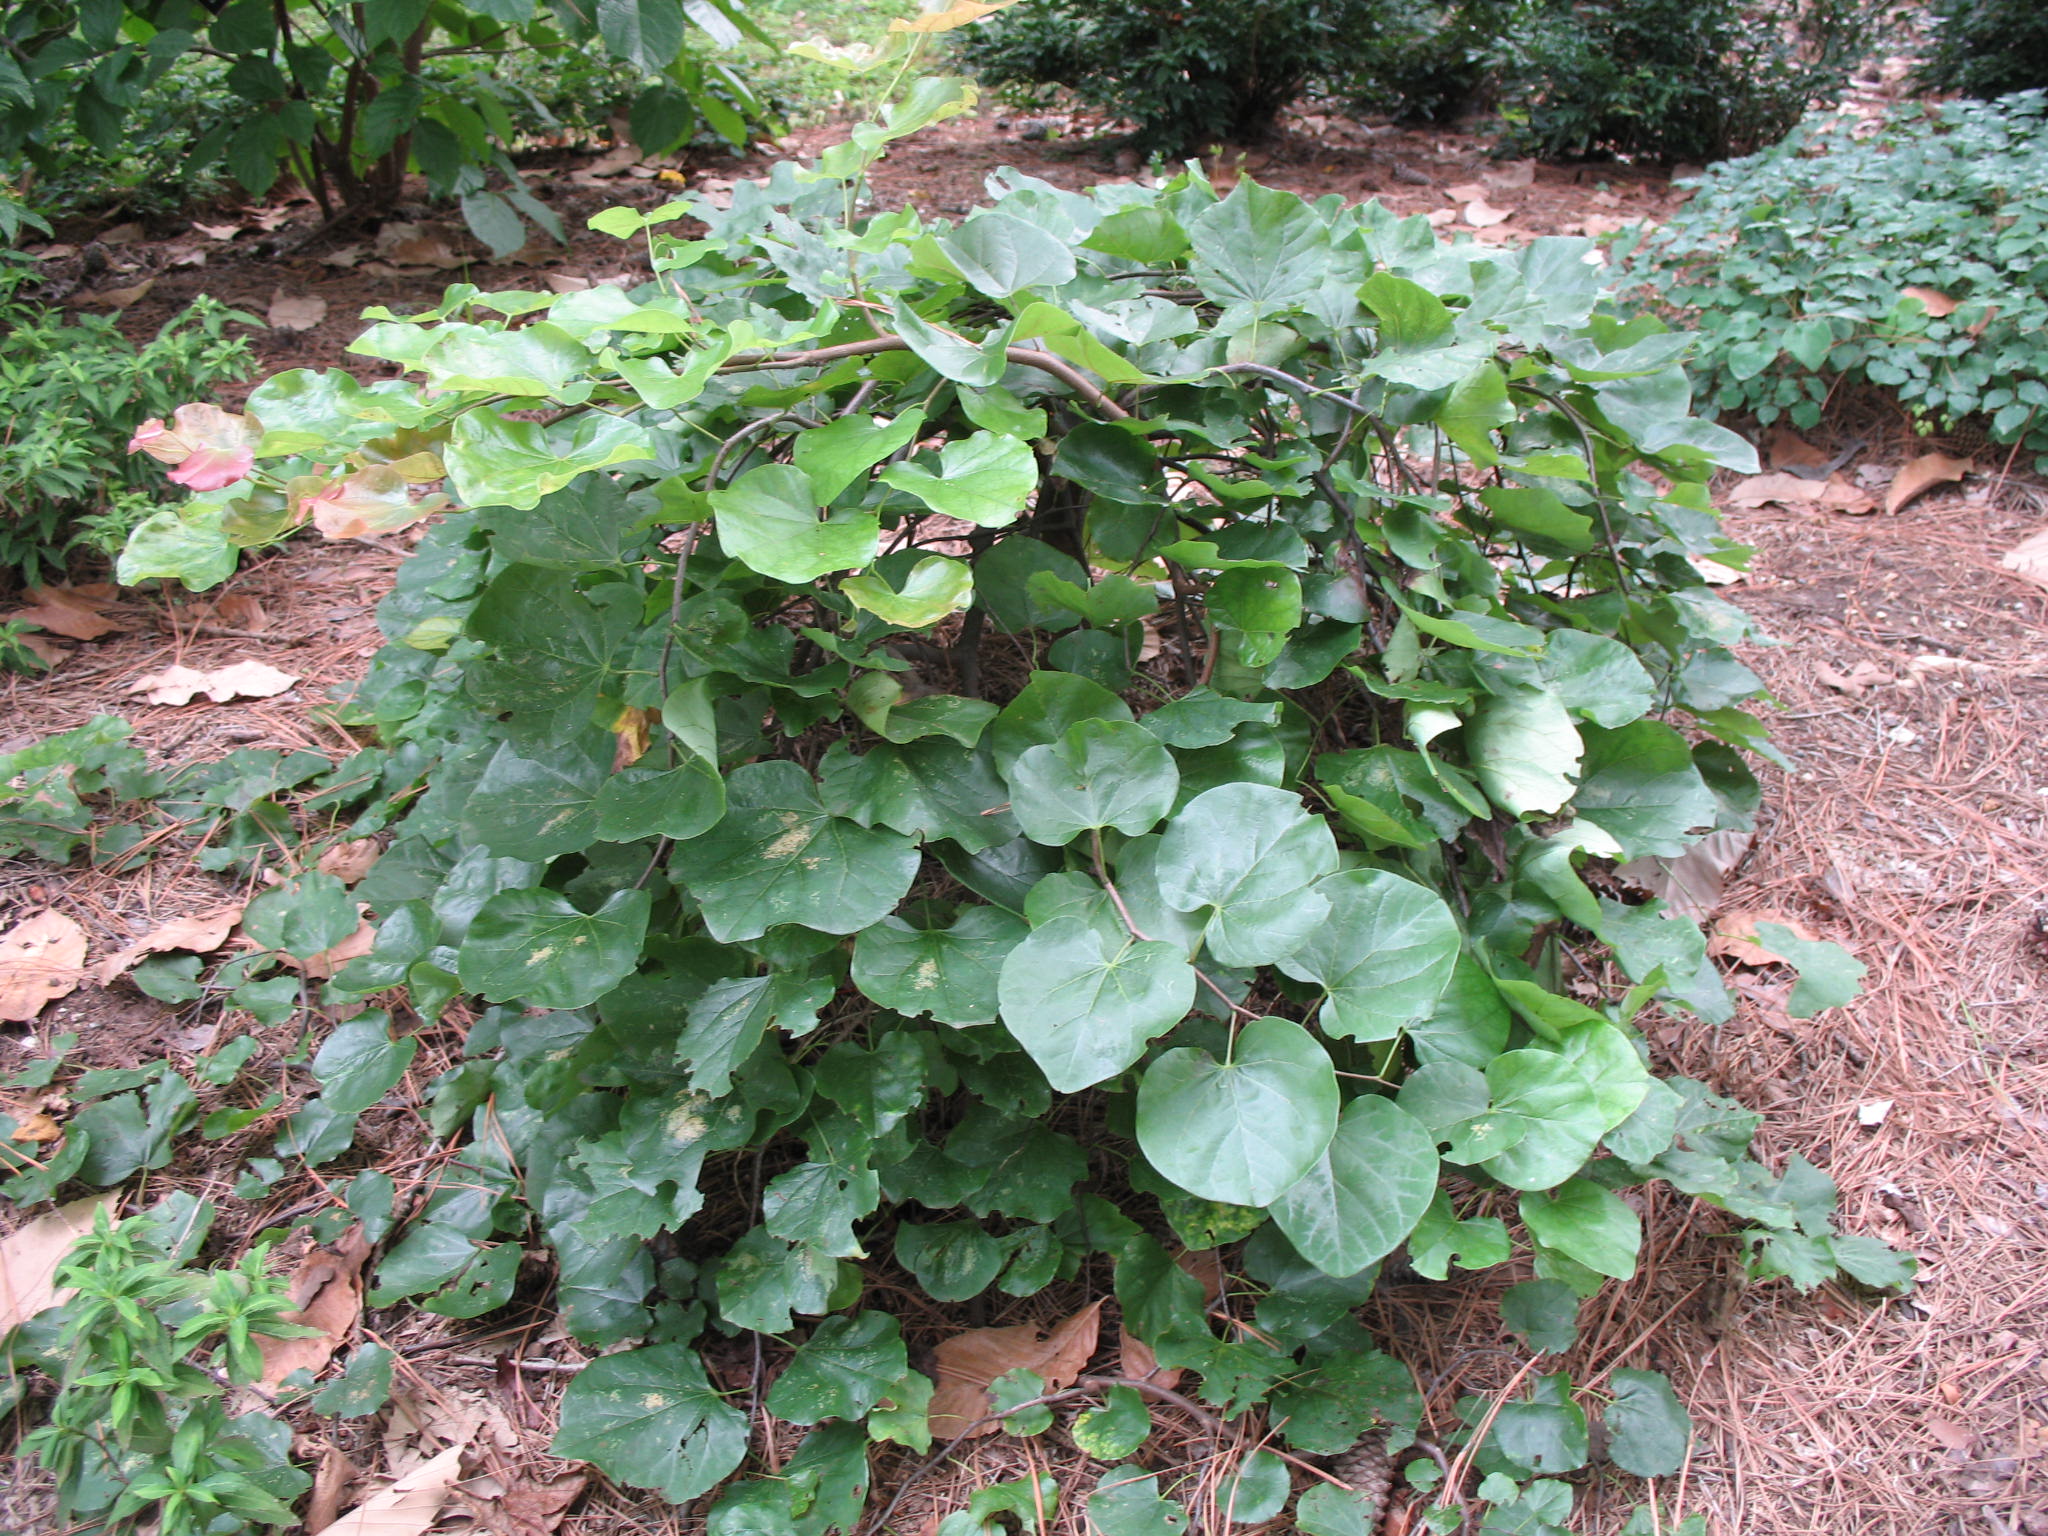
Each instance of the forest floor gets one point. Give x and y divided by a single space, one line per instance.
1911 674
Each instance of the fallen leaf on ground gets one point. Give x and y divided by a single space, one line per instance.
1873 1112
424 251
343 256
1604 199
199 934
1787 490
30 1255
50 651
41 960
527 1508
235 611
1951 1437
1857 681
51 252
324 964
349 862
1466 192
62 611
1206 1265
1734 937
336 1473
1595 225
1933 300
1512 174
37 1127
410 1505
327 1293
243 680
1136 1360
1442 216
219 231
118 298
123 234
966 1363
1922 475
1786 449
1717 574
1482 215
1691 884
2028 559
296 312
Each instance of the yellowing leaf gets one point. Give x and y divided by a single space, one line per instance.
409 1506
958 14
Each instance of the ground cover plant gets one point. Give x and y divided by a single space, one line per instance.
73 390
1025 746
1913 257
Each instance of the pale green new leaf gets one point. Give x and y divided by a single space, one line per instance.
935 587
768 520
984 478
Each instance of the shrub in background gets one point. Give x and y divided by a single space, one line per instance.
1989 48
1914 257
1673 79
1187 74
72 390
1430 63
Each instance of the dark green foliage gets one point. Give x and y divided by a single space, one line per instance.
347 103
1187 74
954 751
1988 48
1429 63
1673 79
72 390
1795 265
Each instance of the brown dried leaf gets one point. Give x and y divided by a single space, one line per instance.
243 680
349 862
1482 215
1206 1265
218 231
328 1294
1136 1360
29 1257
118 298
1786 449
1838 495
333 1479
324 964
2028 559
527 1508
50 651
1922 475
424 251
296 312
1857 681
62 611
1466 192
1734 937
41 960
236 611
1691 884
409 1506
966 1363
200 934
1787 490
1952 1437
343 256
1511 174
1933 300
123 234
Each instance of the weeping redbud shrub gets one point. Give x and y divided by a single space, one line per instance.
985 757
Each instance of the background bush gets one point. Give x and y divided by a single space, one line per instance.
1430 63
72 391
1989 47
1187 74
1796 263
1674 79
